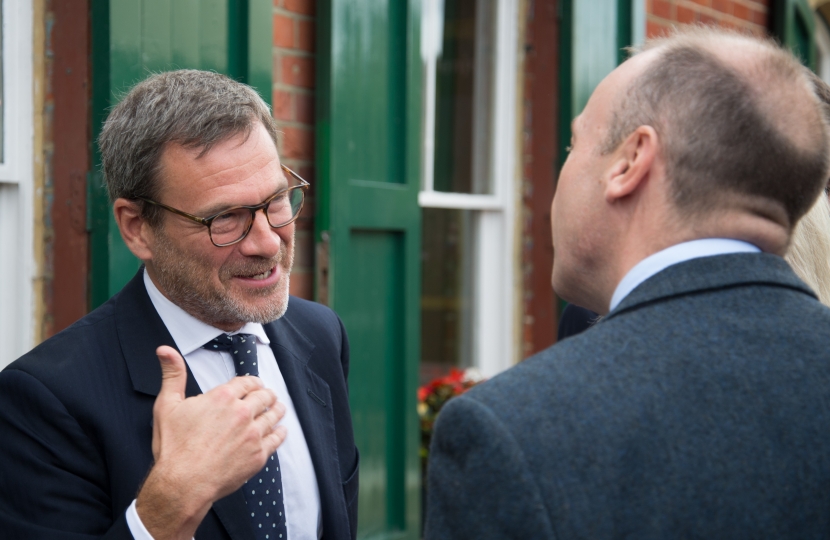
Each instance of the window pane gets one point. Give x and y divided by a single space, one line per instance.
446 293
463 106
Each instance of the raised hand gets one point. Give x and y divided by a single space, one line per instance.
205 447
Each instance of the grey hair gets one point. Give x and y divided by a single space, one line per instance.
721 124
195 109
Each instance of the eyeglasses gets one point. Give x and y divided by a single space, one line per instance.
232 225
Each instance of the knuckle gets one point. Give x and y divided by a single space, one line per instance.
225 392
241 414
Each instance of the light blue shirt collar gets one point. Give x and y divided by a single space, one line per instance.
678 253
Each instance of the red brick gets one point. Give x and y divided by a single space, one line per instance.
297 71
759 18
724 6
307 213
283 32
705 3
305 35
303 259
742 12
654 29
304 108
686 15
297 143
283 105
707 19
301 284
306 171
662 9
305 7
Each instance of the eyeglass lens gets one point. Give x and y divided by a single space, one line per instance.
234 224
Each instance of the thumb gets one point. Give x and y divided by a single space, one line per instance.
173 374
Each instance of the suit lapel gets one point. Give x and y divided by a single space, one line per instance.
140 332
312 401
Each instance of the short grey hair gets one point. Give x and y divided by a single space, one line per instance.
722 124
195 109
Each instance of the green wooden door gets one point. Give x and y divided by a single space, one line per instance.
368 220
794 25
593 37
133 38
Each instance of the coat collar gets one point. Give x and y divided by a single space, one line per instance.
708 273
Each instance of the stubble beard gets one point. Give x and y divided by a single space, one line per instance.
181 278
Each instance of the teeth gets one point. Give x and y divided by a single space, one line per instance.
263 275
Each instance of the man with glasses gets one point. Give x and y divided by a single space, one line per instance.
200 400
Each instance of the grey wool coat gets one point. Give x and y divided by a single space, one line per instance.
698 408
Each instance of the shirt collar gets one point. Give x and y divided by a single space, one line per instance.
187 331
706 247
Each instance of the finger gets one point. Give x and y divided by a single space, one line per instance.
273 440
242 386
267 421
259 401
173 374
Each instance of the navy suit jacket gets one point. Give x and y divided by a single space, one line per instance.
76 422
698 408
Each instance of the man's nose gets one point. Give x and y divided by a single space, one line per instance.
262 239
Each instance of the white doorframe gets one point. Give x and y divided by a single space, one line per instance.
17 259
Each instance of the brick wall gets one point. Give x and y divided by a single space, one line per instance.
293 103
539 169
749 15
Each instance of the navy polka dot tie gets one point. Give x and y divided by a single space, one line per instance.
263 492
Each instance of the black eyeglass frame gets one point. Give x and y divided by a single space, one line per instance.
206 221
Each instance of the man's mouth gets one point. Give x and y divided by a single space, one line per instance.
263 275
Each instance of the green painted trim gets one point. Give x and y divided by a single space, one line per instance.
97 201
322 115
565 8
625 30
260 56
787 14
411 372
237 33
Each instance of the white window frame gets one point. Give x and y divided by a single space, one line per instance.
17 264
493 337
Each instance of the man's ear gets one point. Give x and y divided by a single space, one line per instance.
635 158
135 230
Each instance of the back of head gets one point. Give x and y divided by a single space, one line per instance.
738 120
195 109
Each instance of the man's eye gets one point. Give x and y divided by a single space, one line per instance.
225 217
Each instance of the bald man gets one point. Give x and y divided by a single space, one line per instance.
697 407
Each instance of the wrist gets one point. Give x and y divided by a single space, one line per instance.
170 509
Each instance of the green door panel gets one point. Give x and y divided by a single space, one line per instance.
378 395
594 34
368 151
794 25
133 38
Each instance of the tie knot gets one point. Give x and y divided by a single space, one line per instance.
242 348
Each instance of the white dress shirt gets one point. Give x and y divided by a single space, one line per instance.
212 368
707 247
